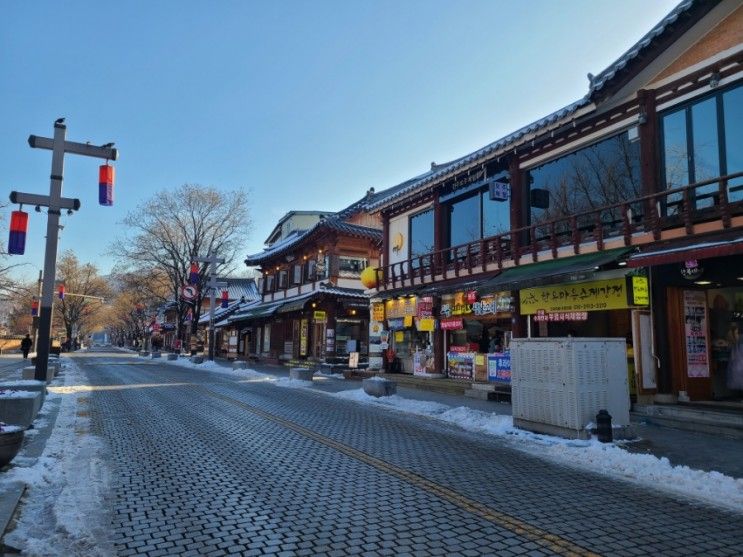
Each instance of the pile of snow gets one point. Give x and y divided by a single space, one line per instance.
64 509
218 368
608 459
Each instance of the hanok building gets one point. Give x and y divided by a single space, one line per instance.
313 306
619 215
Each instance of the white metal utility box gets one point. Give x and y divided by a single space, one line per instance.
558 385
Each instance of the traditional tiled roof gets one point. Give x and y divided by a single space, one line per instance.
293 239
238 288
220 312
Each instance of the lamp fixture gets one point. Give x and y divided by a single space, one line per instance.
714 79
622 263
739 278
703 282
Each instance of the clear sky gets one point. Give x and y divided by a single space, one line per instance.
306 104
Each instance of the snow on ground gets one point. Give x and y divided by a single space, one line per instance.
64 510
608 459
218 368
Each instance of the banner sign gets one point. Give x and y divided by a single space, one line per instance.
499 367
695 327
597 295
452 323
378 311
425 307
400 307
395 324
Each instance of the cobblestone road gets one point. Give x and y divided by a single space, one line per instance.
205 464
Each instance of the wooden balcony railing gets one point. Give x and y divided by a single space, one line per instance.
681 208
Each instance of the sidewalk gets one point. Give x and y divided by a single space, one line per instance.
700 451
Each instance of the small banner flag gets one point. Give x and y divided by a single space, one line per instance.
35 308
194 275
106 185
225 298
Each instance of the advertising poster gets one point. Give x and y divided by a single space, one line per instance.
423 362
695 327
461 364
499 367
303 334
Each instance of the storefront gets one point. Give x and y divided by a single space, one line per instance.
476 332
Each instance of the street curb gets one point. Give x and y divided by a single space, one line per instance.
9 500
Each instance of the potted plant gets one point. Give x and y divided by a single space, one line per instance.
11 438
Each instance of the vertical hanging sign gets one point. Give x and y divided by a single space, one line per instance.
106 185
695 333
18 228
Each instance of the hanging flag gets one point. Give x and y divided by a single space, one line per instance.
60 291
194 275
106 185
35 308
18 228
225 298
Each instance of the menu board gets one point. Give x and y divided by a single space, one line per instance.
461 364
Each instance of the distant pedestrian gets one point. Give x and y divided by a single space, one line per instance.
26 346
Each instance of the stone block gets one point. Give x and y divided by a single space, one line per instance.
196 359
19 407
144 353
156 355
29 372
172 357
26 385
301 373
378 386
237 364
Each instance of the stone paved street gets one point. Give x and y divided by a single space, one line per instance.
207 464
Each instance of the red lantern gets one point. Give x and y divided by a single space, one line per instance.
106 185
35 307
18 228
225 298
60 291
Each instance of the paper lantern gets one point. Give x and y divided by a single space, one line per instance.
369 277
194 275
34 308
18 228
106 185
60 292
225 298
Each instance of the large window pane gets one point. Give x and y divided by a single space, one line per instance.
675 156
421 234
496 216
732 105
706 149
464 220
596 176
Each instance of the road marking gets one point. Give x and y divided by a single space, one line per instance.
551 542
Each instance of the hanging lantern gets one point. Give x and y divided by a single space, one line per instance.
225 298
106 185
18 228
369 277
60 291
194 275
35 308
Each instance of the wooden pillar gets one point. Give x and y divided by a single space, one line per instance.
384 256
648 133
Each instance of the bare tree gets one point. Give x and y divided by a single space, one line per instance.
168 230
81 309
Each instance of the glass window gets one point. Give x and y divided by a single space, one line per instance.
605 173
310 269
269 283
496 216
732 106
283 276
464 220
351 266
706 149
675 149
421 233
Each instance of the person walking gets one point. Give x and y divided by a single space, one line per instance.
26 346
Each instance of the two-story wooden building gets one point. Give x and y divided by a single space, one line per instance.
618 215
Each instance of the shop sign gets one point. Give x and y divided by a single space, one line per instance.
597 295
407 321
542 316
395 324
319 315
353 359
400 307
695 328
330 340
425 307
460 304
378 311
426 325
461 364
691 270
303 334
452 323
639 291
499 367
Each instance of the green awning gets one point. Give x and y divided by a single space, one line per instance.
264 310
294 305
527 275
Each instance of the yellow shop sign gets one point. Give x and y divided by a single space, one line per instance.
597 295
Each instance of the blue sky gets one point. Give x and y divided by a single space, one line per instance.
304 104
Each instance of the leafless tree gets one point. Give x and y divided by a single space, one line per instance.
168 230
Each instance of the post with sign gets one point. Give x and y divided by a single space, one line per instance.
212 261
